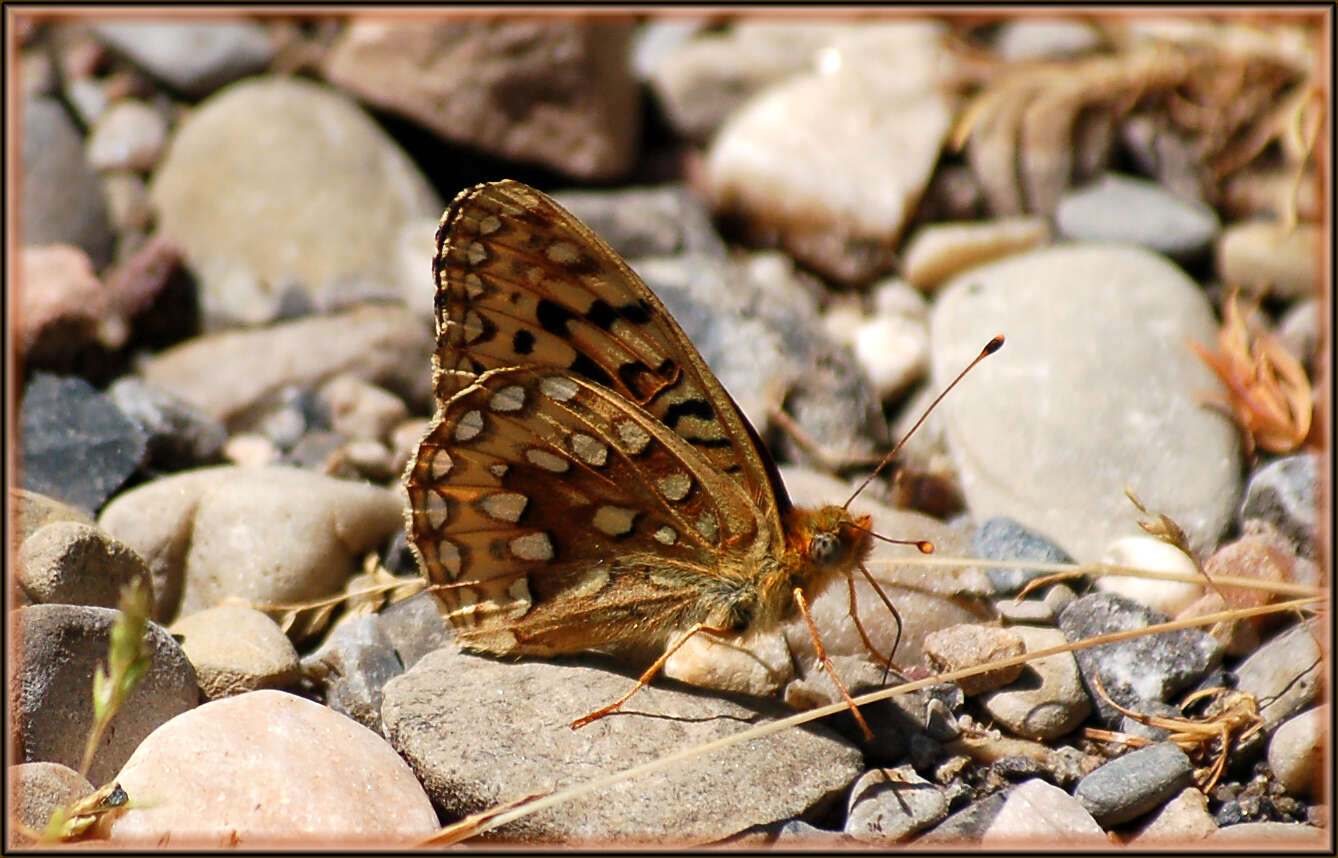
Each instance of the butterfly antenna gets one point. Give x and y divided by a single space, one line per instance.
990 348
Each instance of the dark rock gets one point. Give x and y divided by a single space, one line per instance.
1131 785
1004 539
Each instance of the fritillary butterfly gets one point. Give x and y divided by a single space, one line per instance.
586 483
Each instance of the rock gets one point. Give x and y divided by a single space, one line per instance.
514 738
893 351
1131 785
62 202
360 410
1284 673
970 645
127 197
472 80
1035 612
703 80
130 135
1001 538
1283 494
235 375
1092 329
1119 208
1268 835
1027 38
939 251
647 222
1048 700
269 535
889 805
306 773
37 790
1036 811
73 563
1253 556
62 309
415 627
1296 752
1266 257
1299 331
194 57
1146 552
833 164
352 666
1149 667
314 145
236 649
1183 818
74 443
57 649
179 435
32 511
967 825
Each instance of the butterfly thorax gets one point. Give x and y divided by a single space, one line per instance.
819 543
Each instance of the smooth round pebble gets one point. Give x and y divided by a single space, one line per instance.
359 409
236 649
893 351
76 564
1283 494
1139 212
31 511
1093 393
267 768
1036 811
270 535
194 57
1269 836
1048 700
1146 552
969 645
1284 674
130 135
57 648
1296 752
889 805
1001 538
1181 819
938 251
62 202
1131 785
1266 257
37 789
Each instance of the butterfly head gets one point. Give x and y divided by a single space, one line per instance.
830 538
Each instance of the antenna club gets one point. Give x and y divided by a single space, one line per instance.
925 546
994 345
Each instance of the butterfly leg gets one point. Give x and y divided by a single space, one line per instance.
827 663
646 677
859 627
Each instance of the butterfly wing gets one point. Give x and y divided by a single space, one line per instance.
556 516
521 282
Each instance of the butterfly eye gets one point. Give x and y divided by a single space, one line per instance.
823 548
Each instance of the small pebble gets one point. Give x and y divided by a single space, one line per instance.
1296 752
1048 699
968 645
1131 785
1265 257
1146 552
1183 818
941 250
1283 494
236 649
1036 811
1004 539
889 805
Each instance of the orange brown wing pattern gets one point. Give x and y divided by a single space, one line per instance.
559 517
521 282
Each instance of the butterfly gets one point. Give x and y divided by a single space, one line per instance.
586 483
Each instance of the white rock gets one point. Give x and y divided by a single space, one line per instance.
1146 552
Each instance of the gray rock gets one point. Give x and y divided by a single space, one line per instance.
180 436
74 443
1129 786
965 826
641 222
193 57
263 152
1027 38
270 535
62 201
476 730
473 80
1148 667
415 627
1284 674
235 649
1136 211
889 805
1093 392
238 376
1001 538
57 649
352 666
37 789
77 564
1283 494
1048 700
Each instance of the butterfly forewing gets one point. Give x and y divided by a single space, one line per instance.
559 517
520 282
